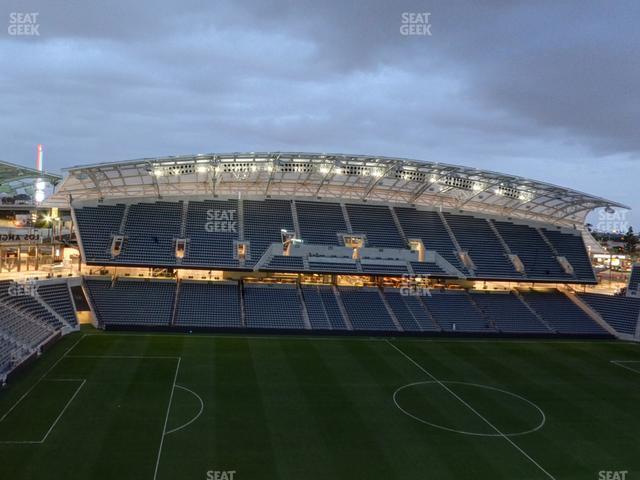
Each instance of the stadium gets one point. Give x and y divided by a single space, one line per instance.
297 315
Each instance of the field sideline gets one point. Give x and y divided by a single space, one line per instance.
119 406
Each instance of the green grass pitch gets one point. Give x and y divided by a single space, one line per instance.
135 406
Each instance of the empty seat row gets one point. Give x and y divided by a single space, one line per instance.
561 314
622 313
323 307
211 229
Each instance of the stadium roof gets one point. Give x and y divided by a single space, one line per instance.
327 176
16 177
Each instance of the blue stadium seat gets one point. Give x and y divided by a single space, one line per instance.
377 223
320 222
366 309
208 304
454 311
263 222
508 313
621 313
132 302
273 306
561 313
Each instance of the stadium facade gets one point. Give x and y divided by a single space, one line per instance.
322 243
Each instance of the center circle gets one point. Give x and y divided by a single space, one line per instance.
405 400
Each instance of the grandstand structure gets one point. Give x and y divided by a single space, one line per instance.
15 179
32 316
331 244
633 288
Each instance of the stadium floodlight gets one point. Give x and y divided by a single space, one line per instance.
202 169
39 196
324 169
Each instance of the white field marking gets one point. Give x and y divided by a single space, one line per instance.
487 387
63 410
173 387
621 363
64 355
57 419
194 418
357 338
166 419
461 400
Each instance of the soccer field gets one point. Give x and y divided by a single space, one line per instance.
135 406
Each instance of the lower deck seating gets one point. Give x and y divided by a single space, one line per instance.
325 307
26 303
272 306
622 313
24 330
454 311
562 315
410 312
508 313
11 353
634 280
204 304
31 316
366 309
7 349
132 302
58 297
322 308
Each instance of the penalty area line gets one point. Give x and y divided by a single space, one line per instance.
621 363
63 356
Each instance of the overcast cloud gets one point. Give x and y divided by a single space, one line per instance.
539 89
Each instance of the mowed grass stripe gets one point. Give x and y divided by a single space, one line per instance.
500 457
248 384
285 374
233 432
580 397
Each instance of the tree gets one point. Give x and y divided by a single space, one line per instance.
630 241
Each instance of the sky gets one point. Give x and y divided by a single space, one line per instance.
547 90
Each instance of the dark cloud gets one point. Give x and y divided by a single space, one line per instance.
544 89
